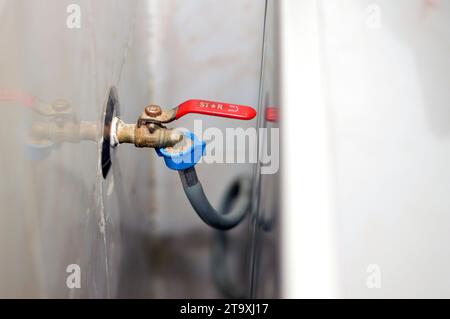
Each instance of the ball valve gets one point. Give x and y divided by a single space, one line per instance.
183 150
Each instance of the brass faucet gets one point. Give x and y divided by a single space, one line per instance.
147 132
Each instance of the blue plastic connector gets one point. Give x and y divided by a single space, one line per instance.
184 159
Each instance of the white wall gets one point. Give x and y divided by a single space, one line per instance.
384 80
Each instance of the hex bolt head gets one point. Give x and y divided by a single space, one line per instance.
153 110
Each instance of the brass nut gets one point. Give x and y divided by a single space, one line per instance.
153 110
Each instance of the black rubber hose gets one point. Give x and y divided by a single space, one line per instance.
194 192
225 279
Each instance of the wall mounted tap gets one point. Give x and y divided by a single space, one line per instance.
149 131
183 150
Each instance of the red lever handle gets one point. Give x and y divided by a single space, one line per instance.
234 111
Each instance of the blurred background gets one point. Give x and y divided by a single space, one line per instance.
134 234
362 207
365 87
